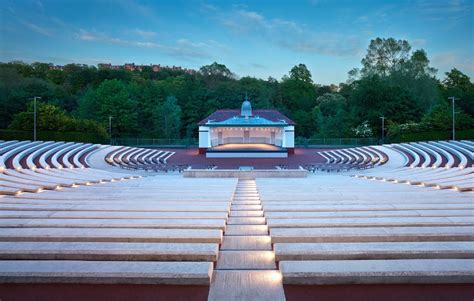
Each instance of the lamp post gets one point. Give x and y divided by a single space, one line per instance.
452 98
383 127
34 116
110 129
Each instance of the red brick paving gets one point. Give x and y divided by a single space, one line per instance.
191 157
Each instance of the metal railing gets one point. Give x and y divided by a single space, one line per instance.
318 142
194 142
145 142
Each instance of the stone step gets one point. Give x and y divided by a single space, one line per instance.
131 206
245 207
372 222
9 190
105 272
246 285
374 250
111 235
246 203
241 194
242 198
108 251
375 207
337 272
246 221
245 213
246 243
246 260
111 214
113 223
246 230
368 214
371 234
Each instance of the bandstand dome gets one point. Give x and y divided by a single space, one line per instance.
246 109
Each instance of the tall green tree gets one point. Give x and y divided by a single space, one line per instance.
168 118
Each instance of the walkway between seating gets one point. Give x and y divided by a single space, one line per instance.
246 268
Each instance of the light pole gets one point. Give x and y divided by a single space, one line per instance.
34 116
110 129
452 98
383 127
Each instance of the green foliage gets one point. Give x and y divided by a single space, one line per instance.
52 118
394 81
168 118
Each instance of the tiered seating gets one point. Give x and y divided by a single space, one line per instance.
164 231
134 158
36 166
330 232
349 158
442 164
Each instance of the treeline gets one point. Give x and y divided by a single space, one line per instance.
394 81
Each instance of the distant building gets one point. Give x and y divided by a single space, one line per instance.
246 133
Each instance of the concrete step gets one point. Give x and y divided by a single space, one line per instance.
113 223
246 285
372 222
332 272
114 251
246 202
245 213
246 243
111 214
245 207
105 272
367 214
246 260
246 230
246 221
374 250
111 235
371 234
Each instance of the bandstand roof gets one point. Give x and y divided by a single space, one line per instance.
234 118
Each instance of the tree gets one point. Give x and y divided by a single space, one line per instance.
459 85
385 56
301 73
168 118
53 118
111 98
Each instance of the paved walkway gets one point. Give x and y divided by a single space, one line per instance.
246 268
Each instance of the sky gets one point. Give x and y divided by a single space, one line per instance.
252 38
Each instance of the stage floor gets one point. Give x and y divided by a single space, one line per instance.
191 157
250 147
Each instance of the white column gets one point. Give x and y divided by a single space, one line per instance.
289 136
204 137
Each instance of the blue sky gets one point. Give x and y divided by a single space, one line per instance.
257 38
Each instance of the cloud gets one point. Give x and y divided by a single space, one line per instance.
182 48
144 33
38 29
135 8
418 43
288 34
452 59
446 11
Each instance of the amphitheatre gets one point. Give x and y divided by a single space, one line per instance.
100 222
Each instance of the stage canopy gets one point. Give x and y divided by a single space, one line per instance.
236 128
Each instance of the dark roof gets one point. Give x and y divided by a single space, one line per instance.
221 115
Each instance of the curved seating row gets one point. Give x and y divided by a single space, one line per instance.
116 233
134 158
27 166
334 232
439 164
349 158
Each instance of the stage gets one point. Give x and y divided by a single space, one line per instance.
247 150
